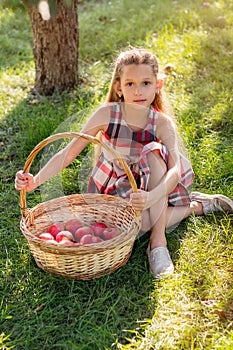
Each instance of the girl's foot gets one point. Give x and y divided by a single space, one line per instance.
213 202
160 261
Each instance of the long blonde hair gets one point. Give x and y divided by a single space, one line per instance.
137 56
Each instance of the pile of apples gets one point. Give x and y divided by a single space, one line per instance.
74 233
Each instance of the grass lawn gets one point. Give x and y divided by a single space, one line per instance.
127 309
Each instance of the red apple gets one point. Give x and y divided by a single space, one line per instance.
46 236
98 228
82 231
72 225
97 239
110 232
87 239
55 228
64 235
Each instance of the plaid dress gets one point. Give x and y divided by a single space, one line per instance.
108 177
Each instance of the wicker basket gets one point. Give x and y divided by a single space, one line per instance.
86 261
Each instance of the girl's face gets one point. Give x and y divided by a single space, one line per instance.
137 85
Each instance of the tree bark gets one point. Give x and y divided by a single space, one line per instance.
55 48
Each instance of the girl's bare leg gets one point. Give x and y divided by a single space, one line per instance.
177 214
159 258
157 236
158 212
174 215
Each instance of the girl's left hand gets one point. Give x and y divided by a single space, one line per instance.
140 200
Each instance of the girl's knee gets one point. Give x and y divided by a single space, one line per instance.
158 169
156 162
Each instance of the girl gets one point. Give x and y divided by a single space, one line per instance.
134 122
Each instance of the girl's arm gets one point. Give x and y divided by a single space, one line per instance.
98 121
166 132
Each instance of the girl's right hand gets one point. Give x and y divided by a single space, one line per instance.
139 199
24 181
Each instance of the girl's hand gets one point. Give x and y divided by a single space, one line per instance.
140 200
24 181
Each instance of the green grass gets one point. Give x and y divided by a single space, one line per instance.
127 309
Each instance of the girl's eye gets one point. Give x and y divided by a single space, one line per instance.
146 83
129 83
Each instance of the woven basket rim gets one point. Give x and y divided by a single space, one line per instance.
108 244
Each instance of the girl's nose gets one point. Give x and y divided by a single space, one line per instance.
137 91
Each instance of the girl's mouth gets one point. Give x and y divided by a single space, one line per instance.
139 101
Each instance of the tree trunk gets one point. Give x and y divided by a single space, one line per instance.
55 48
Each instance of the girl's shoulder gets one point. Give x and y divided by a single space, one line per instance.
108 108
100 118
105 113
165 125
165 119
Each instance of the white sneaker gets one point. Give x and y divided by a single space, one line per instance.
212 203
160 261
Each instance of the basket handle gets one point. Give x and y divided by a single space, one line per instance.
54 137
